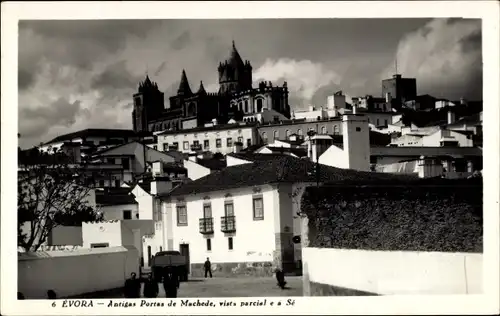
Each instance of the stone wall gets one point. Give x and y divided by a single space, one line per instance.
231 269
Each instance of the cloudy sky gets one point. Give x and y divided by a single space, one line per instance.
82 74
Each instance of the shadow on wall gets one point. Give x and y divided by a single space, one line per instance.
75 273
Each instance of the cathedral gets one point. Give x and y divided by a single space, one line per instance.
236 100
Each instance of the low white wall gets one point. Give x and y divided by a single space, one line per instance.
76 272
394 272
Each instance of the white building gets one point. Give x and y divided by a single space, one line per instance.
355 150
216 139
91 137
217 216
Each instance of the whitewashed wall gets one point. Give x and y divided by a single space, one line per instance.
194 170
115 212
394 272
254 240
76 272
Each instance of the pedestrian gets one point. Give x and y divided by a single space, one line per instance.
51 295
170 282
280 278
151 287
208 268
132 287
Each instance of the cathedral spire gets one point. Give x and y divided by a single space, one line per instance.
201 89
184 88
234 58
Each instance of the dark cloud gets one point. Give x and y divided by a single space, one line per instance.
472 42
115 76
181 41
25 78
37 121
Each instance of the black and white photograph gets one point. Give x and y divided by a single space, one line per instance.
265 159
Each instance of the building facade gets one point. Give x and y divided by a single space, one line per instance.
400 89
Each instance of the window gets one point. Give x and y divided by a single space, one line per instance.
125 163
207 211
258 209
182 215
378 122
230 243
209 244
240 140
385 122
276 135
206 144
229 142
218 143
161 248
165 147
185 145
100 245
127 214
358 129
229 209
323 130
246 106
259 105
264 137
287 133
249 142
335 129
299 132
111 161
175 145
196 143
117 183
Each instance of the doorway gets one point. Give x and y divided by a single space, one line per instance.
184 250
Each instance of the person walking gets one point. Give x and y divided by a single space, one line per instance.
208 268
151 287
132 287
170 282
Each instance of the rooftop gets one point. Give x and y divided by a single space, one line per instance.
108 199
93 132
269 169
212 163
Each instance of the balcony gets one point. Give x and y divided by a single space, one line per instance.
196 147
228 224
207 225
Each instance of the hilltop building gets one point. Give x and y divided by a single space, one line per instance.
236 99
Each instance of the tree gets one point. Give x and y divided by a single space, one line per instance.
51 192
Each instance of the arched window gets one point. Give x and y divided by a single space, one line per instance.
299 132
246 106
323 130
264 137
287 133
259 105
191 110
335 129
276 135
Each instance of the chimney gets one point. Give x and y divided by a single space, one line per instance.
157 168
356 140
160 185
451 117
388 97
355 104
214 122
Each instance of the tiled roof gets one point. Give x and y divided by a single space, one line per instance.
212 163
146 186
115 199
277 169
94 132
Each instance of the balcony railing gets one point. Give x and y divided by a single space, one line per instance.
207 225
228 224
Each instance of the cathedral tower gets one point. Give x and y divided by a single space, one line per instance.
148 104
234 74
